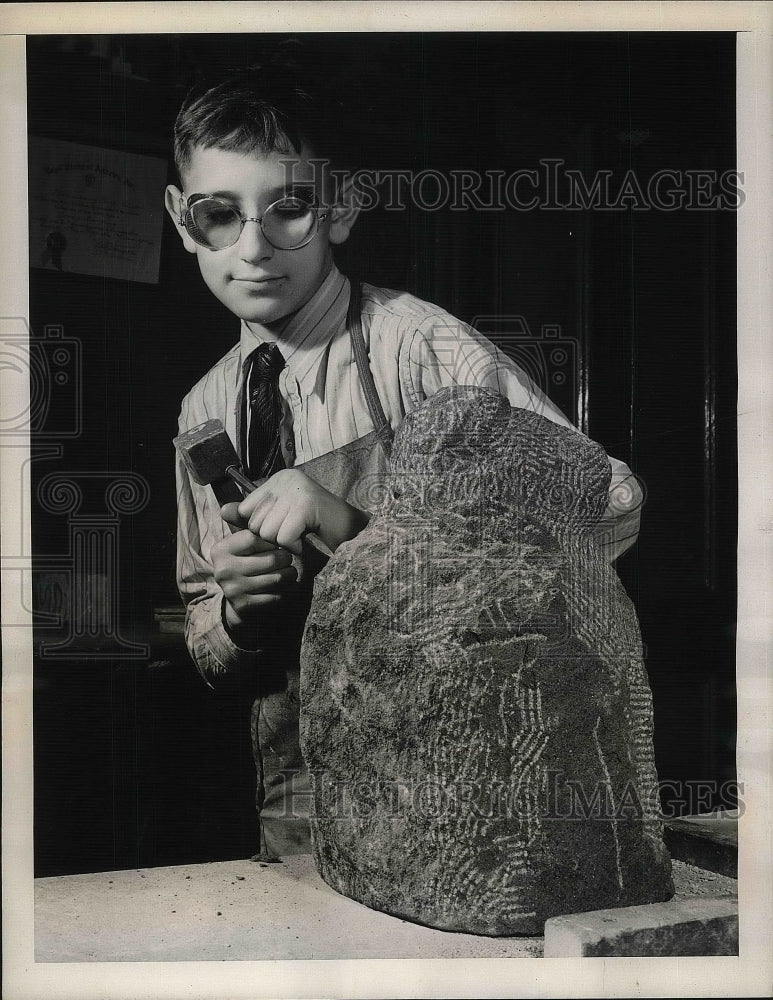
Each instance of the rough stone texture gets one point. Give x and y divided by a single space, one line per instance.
475 714
689 927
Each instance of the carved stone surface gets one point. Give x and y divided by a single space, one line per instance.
475 714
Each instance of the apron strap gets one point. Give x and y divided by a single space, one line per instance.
354 325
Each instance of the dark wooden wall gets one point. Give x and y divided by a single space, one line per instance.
137 764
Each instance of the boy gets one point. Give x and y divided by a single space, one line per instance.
262 219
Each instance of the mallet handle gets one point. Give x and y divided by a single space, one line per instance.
238 477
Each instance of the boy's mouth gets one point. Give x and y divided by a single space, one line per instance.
258 281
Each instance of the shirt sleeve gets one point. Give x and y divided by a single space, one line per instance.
443 351
199 527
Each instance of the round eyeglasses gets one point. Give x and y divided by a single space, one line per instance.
288 224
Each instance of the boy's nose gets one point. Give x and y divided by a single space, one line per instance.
252 244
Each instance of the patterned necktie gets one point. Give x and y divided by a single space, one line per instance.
262 413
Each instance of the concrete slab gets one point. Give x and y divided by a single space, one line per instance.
234 910
702 926
238 910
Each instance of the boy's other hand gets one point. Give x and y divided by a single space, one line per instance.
289 504
253 574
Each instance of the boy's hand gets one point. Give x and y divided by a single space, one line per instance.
253 575
288 505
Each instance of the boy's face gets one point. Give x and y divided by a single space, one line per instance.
255 280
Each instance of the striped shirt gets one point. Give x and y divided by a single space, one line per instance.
415 349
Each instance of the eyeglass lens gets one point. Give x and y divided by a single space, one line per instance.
286 224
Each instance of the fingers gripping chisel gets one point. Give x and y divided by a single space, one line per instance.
211 460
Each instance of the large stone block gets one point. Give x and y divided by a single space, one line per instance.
475 714
688 927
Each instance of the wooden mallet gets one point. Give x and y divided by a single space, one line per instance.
211 459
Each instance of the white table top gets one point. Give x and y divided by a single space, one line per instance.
235 910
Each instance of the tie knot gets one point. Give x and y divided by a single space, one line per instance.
267 362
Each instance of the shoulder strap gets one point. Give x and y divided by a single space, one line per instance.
354 325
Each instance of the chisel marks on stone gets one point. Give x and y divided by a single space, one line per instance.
474 705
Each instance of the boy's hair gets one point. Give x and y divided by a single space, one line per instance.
272 107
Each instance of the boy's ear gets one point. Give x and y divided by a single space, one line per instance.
172 200
344 213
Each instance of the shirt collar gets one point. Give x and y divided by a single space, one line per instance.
309 331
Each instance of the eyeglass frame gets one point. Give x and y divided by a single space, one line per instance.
186 211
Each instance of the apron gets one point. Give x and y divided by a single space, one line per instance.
284 790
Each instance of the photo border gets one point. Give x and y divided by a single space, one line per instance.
747 975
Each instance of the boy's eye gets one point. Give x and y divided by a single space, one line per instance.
210 214
220 215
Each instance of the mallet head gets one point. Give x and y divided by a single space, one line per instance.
211 459
208 455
